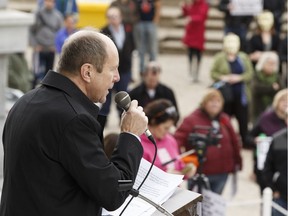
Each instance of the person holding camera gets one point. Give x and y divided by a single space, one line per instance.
222 145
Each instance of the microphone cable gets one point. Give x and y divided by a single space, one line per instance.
134 192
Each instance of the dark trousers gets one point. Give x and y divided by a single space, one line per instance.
43 62
235 108
194 52
217 182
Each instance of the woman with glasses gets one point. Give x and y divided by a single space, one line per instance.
162 116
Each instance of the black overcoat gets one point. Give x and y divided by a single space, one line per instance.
54 162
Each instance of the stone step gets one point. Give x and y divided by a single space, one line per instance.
170 2
26 6
173 46
165 34
175 12
173 16
214 13
170 12
210 23
175 3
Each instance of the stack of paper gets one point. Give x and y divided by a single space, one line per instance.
158 187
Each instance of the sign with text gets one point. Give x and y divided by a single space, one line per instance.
246 7
213 204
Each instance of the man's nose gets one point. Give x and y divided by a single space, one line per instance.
117 76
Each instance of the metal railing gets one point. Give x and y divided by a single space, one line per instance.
266 201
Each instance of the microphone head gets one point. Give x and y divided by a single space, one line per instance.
123 100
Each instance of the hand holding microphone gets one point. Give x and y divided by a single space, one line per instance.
134 119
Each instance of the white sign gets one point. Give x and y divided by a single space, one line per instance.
213 204
246 7
263 144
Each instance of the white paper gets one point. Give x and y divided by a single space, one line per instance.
246 7
158 187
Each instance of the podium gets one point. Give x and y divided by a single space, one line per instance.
182 203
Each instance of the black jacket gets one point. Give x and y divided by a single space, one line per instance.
277 7
54 162
256 44
275 169
233 21
125 54
162 91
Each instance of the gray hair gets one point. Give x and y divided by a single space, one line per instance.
84 46
264 57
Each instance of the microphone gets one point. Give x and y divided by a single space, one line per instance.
135 193
123 101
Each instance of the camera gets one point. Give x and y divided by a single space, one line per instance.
199 141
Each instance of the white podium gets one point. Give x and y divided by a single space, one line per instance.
182 203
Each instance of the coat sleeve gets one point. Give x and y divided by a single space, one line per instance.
234 142
182 133
248 73
81 153
216 70
185 10
259 88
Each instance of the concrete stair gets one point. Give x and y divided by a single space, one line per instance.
172 26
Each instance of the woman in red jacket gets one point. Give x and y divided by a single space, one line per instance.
196 13
222 157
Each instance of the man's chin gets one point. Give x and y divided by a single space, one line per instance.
102 100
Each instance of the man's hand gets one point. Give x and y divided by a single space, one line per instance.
134 120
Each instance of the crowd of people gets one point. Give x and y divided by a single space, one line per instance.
249 84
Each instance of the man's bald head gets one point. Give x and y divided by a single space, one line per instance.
84 46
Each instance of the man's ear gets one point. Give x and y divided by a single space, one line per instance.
86 70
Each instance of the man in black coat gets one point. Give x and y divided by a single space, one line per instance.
54 162
151 88
124 41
